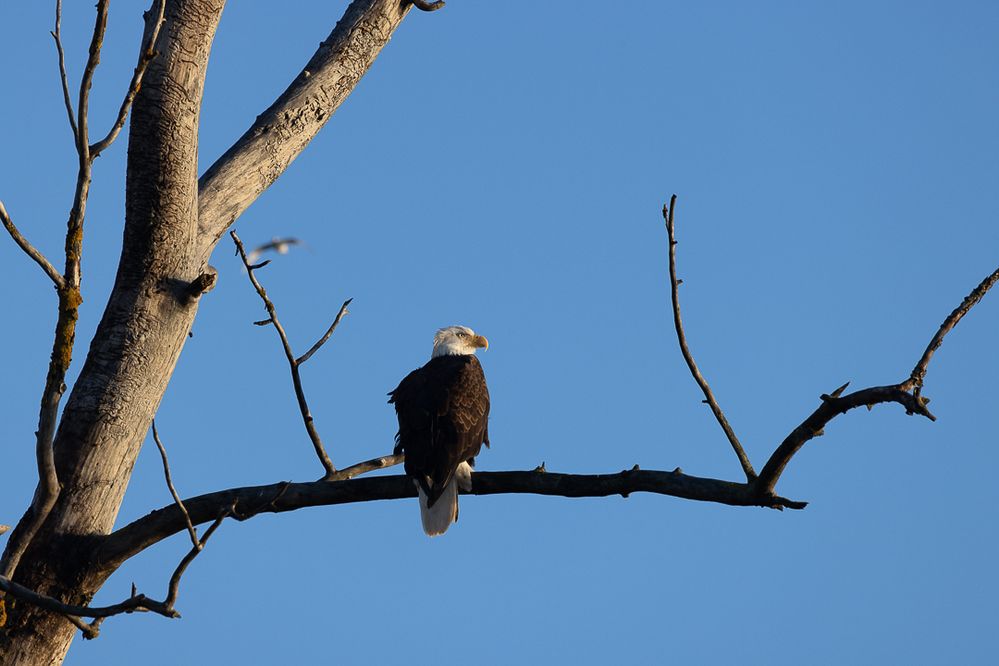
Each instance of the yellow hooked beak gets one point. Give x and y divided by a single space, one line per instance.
480 341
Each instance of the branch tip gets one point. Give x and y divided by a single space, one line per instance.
425 6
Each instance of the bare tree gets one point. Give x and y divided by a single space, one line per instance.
65 546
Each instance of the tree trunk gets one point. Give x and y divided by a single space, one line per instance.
138 341
166 246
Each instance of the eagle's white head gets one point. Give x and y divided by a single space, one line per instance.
457 340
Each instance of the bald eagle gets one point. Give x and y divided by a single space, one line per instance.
443 411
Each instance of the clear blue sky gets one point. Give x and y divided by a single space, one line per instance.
503 166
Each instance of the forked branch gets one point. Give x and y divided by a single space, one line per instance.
906 393
134 603
293 363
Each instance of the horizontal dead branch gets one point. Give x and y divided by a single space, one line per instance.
249 501
137 602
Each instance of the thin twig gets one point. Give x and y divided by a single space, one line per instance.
146 55
93 59
336 322
193 553
57 36
293 363
29 249
173 491
709 397
90 629
918 374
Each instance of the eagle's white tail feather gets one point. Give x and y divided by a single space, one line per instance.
439 517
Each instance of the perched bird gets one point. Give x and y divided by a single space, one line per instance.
279 245
443 411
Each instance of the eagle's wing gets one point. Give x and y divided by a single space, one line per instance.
443 408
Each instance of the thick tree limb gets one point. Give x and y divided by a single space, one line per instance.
709 397
281 132
281 497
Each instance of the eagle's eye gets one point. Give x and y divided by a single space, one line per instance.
462 334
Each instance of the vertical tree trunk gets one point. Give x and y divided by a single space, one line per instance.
150 310
138 341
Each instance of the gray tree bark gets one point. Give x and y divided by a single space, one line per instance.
170 232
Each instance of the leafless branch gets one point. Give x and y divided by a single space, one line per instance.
29 249
709 398
372 465
184 563
138 602
135 603
293 363
832 406
94 59
57 36
326 336
173 491
341 488
264 151
915 381
284 496
906 393
146 55
65 333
